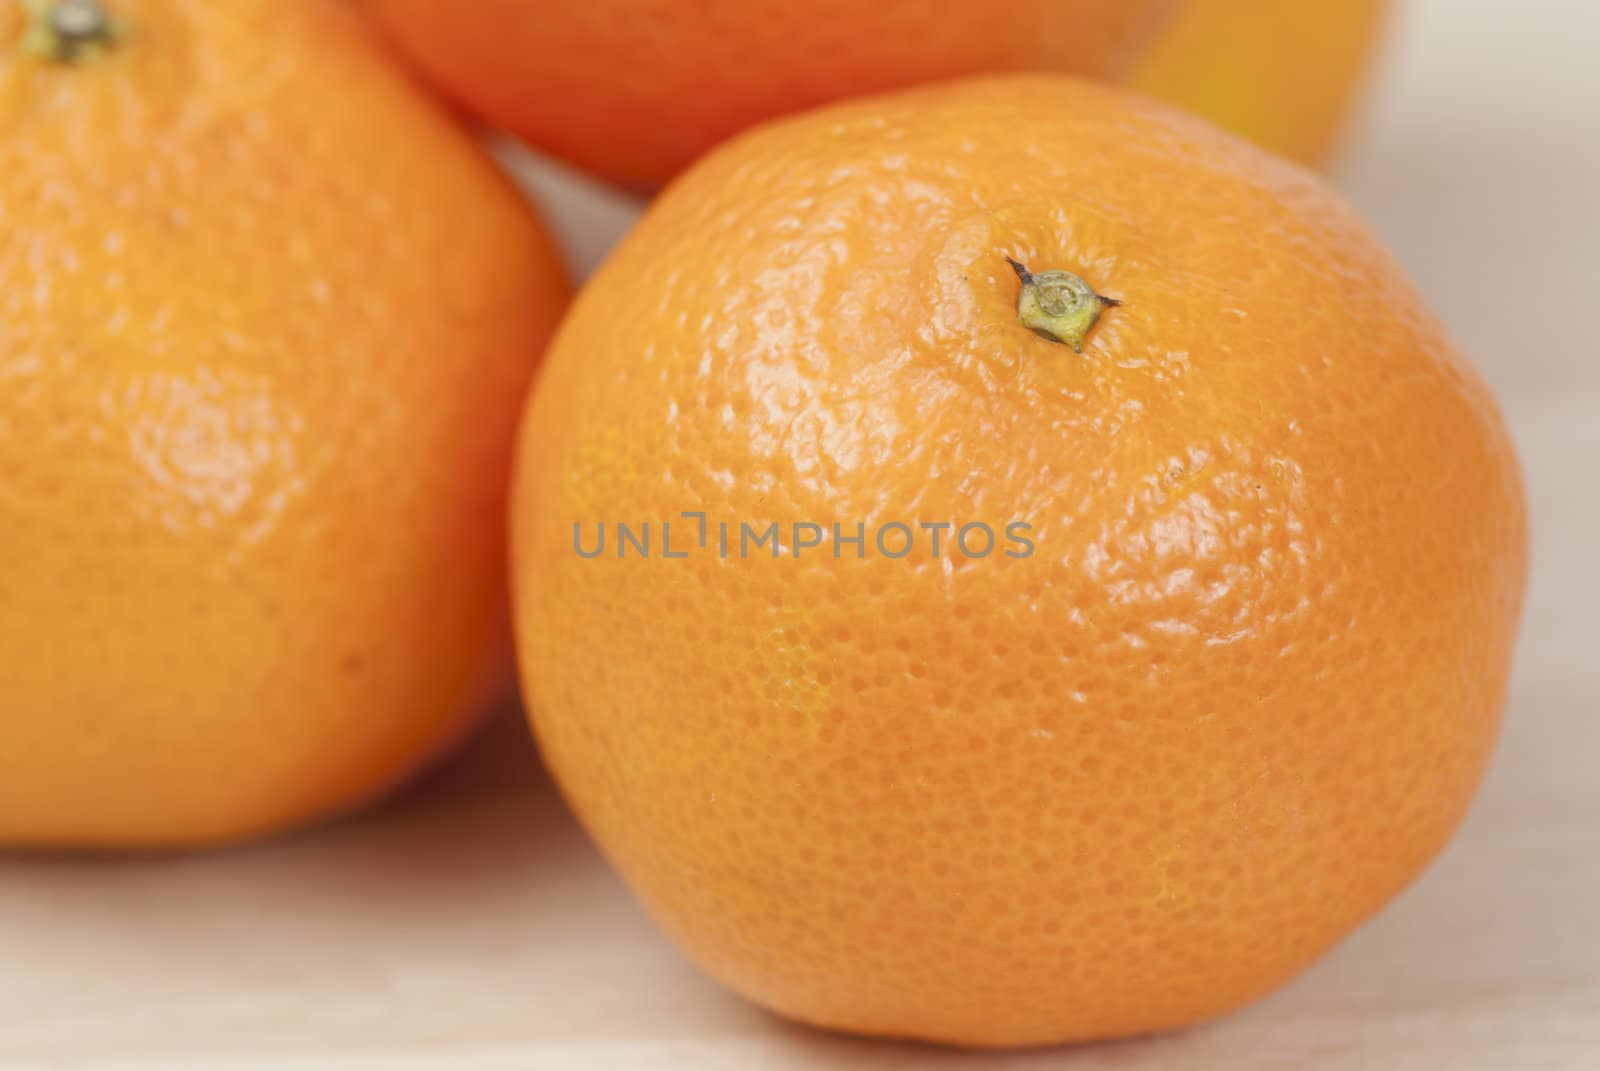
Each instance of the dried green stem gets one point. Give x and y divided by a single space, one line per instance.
1058 305
68 30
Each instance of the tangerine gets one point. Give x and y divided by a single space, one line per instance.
266 321
1226 690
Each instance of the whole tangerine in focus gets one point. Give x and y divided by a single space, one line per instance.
926 677
266 321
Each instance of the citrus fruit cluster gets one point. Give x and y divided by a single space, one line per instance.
992 558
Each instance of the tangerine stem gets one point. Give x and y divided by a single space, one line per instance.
64 30
1058 305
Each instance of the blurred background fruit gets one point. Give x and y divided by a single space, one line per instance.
266 321
1285 75
1238 697
633 90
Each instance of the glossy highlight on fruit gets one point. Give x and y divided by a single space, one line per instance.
265 323
1237 695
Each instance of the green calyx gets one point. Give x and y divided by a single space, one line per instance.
1058 305
69 30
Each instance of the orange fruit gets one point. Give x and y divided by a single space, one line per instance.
1283 75
266 322
1226 691
635 89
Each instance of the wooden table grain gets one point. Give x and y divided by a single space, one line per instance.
467 925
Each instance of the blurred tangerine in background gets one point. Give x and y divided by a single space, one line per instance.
1284 75
633 90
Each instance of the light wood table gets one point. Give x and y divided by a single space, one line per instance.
467 925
